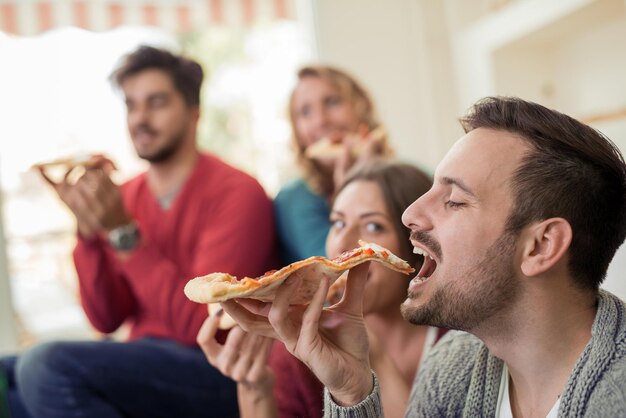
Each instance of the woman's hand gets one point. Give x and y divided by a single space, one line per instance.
243 357
332 342
357 148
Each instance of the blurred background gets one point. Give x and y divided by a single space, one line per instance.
424 61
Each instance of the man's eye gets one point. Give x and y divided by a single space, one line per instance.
160 102
453 204
305 111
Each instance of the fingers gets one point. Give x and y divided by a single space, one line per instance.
257 307
230 352
102 162
247 320
84 206
259 369
247 351
45 176
104 197
206 337
243 357
311 317
373 147
352 300
279 313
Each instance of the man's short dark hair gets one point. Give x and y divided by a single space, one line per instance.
572 171
186 74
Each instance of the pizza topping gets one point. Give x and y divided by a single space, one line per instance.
267 273
346 255
251 283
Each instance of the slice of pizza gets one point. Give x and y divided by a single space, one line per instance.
327 149
85 160
218 287
72 167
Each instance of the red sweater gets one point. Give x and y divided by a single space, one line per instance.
221 220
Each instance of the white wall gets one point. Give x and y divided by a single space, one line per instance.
400 51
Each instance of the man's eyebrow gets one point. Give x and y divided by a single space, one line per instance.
158 95
450 181
151 96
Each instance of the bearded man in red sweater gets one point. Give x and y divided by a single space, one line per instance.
189 214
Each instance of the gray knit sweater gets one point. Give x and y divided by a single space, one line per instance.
461 379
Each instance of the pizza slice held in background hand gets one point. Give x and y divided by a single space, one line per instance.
72 167
328 149
219 287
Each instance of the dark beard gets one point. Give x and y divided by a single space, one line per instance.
167 151
463 309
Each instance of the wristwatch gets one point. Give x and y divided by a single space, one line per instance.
124 237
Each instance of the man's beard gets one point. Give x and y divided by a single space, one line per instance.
171 146
490 286
167 151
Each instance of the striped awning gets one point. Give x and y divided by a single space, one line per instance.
31 17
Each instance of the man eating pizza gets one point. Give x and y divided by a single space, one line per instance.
526 212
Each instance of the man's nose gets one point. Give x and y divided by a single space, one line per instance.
416 215
137 116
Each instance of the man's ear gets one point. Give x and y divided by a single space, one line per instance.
544 245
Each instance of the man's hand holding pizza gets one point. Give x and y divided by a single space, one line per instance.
332 341
93 198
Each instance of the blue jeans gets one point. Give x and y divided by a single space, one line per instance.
144 378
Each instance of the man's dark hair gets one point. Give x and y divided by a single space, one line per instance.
572 171
186 74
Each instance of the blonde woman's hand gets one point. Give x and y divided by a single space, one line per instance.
358 148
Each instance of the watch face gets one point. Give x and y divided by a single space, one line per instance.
124 237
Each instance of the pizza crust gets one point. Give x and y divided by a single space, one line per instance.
70 169
82 159
219 287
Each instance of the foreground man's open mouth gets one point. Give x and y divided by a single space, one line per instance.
429 265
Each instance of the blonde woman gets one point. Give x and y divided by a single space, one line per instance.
327 107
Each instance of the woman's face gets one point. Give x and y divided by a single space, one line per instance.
360 212
319 110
